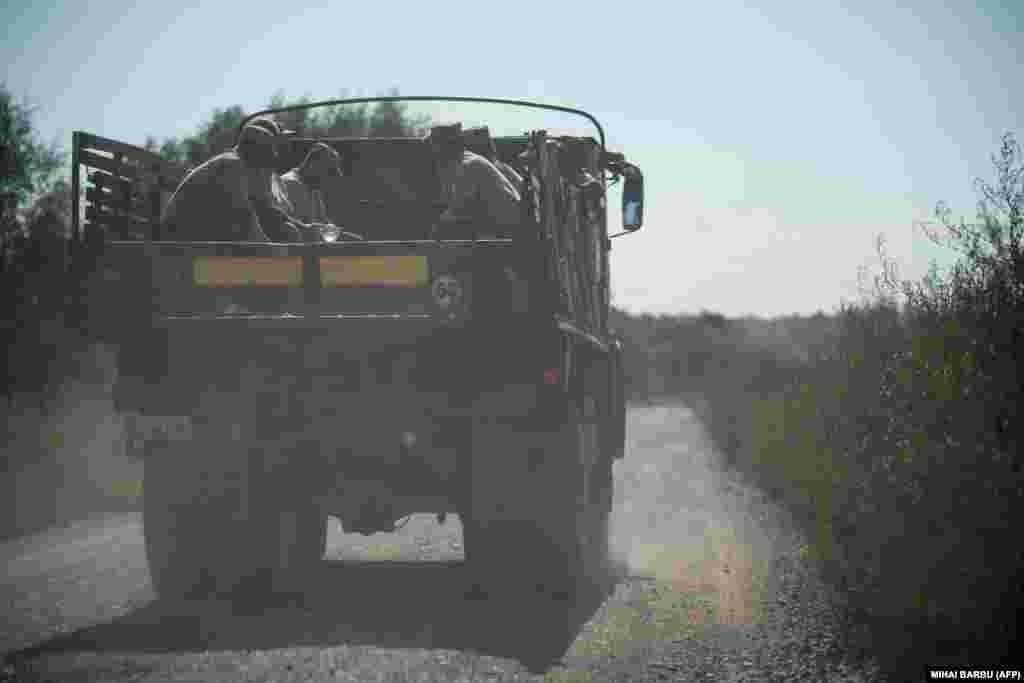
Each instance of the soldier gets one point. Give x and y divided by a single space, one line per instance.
471 186
275 211
218 200
304 186
479 141
270 125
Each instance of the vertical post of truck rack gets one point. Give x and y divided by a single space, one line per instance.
76 230
311 282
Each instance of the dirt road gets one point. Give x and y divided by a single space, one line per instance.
714 591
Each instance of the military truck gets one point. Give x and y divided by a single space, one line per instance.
270 386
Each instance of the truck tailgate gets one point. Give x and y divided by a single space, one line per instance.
287 282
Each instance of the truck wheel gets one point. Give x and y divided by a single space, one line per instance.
287 538
617 413
172 526
558 540
603 500
318 536
310 538
200 535
580 460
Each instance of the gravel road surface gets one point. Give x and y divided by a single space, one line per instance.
714 588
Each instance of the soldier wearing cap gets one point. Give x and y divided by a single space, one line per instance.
471 186
479 141
272 126
217 200
298 194
304 187
276 211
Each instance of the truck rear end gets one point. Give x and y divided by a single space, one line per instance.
361 379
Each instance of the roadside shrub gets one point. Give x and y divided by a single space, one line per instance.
895 437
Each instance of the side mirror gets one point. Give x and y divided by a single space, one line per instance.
632 199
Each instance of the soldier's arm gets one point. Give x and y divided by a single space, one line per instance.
293 191
243 213
319 207
168 216
171 210
466 186
512 174
498 194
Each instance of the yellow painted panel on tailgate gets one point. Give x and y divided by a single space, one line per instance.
406 270
247 271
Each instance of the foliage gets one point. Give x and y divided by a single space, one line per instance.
27 165
33 228
896 437
384 119
35 222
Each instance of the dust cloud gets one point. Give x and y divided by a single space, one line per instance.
676 519
64 460
679 520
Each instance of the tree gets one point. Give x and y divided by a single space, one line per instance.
347 121
34 224
391 119
27 169
999 230
385 119
301 121
27 165
216 136
173 150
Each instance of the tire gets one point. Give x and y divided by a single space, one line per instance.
172 526
287 540
311 537
603 500
482 578
617 413
479 547
170 571
595 507
564 549
201 534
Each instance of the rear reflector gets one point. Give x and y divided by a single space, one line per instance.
553 376
247 271
407 270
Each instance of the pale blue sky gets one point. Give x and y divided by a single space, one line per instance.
777 138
